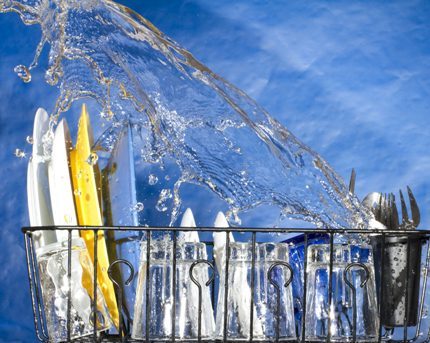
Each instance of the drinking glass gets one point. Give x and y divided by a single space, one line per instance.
168 303
52 261
273 301
348 310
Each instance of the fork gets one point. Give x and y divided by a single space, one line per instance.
386 212
413 222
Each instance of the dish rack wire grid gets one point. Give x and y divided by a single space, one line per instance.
329 234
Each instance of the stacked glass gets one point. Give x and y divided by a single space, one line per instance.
348 312
173 297
52 261
273 313
167 302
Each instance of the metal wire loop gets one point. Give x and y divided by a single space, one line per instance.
278 264
193 279
211 277
129 265
357 265
354 292
278 291
118 286
99 315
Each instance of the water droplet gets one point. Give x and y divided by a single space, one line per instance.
152 179
106 114
138 207
77 192
167 178
53 74
165 195
230 201
233 217
425 312
23 73
29 139
19 153
92 159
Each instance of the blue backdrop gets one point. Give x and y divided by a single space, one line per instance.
350 79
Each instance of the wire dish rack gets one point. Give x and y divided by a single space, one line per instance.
413 327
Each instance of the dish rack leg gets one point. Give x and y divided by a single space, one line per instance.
39 324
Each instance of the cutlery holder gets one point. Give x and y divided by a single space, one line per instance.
398 276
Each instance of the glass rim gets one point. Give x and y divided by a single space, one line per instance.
336 245
342 253
77 242
166 249
261 244
169 244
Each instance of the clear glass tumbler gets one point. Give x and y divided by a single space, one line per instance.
347 311
166 302
273 301
52 261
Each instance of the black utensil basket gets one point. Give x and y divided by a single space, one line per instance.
408 285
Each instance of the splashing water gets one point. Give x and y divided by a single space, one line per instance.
23 73
218 137
152 179
19 153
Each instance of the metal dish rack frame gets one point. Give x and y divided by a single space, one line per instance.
330 234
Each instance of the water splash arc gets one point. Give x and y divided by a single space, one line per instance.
218 136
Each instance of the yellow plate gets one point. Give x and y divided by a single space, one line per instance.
86 187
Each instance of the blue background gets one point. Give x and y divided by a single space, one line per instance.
350 79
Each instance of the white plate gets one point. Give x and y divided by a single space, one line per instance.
60 182
38 185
